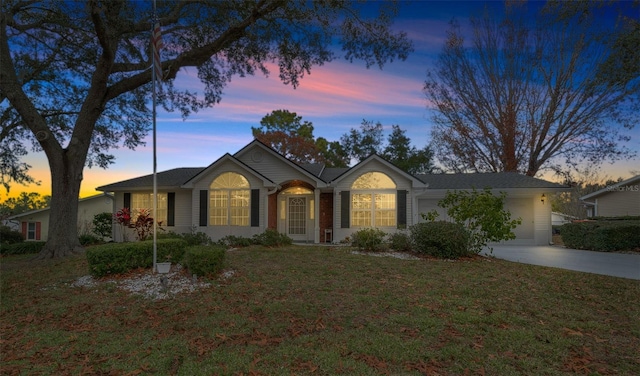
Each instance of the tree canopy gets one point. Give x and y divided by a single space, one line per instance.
523 94
75 77
25 202
360 143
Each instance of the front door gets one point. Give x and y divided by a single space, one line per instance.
297 218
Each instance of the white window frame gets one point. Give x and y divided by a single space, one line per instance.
145 201
369 207
229 205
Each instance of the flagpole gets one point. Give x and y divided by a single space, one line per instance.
155 178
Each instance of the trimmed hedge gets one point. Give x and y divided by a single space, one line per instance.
21 248
440 239
607 236
204 260
117 258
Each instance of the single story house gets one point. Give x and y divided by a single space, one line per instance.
34 224
257 188
617 200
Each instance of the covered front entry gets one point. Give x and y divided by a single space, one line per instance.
297 213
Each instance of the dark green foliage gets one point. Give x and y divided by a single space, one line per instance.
272 238
117 258
169 235
9 236
196 238
204 260
192 238
441 239
482 214
232 241
605 236
103 224
21 248
400 241
369 239
622 218
88 239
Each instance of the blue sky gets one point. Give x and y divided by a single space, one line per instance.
335 98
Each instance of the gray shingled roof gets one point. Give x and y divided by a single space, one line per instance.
170 178
331 173
179 176
495 180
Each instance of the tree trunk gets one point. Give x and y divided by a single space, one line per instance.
66 177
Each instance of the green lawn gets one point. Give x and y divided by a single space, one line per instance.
324 311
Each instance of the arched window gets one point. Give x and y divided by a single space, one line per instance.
229 197
373 201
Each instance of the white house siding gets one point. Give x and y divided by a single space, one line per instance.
522 208
183 210
426 205
272 166
620 201
542 217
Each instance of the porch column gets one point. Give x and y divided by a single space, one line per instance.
316 217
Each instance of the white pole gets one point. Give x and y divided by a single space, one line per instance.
155 180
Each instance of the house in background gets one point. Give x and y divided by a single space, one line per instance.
257 188
617 200
34 224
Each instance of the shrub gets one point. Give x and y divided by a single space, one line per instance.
21 248
117 258
103 224
192 238
400 241
482 214
440 239
272 238
204 260
369 239
602 235
169 235
196 238
9 236
232 241
88 239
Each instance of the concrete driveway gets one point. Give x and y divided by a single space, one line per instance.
606 263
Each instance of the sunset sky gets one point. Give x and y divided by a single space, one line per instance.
335 98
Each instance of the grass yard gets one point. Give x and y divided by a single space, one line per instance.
323 311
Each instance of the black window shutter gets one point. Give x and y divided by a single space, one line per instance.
204 197
402 209
345 208
127 200
255 207
171 209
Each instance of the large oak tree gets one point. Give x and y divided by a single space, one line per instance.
75 76
521 93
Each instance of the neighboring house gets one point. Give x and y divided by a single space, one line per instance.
559 219
34 224
617 200
257 188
